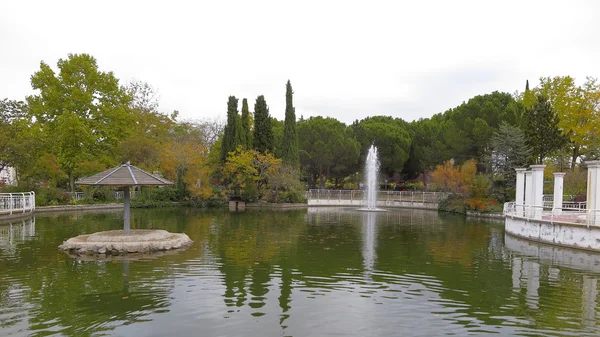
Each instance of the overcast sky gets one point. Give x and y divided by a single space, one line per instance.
346 59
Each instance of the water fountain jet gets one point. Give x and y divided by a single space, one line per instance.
371 171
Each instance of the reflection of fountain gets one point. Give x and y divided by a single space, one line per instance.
371 171
368 246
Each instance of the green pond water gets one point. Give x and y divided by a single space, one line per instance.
315 272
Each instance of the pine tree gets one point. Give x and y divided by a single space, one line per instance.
289 147
263 132
542 133
246 125
229 134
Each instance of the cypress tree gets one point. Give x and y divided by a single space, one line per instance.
263 133
246 125
229 134
289 148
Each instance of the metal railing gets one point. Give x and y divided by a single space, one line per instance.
12 203
391 196
81 195
588 217
569 201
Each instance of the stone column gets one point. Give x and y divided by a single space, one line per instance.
520 190
537 172
528 192
557 204
593 191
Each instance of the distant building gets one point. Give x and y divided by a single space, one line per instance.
8 176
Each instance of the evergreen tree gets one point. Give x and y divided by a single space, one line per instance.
246 125
541 129
510 151
229 143
289 148
263 133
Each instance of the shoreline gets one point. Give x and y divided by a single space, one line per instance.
251 206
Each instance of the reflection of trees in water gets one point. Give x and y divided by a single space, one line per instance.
251 246
80 298
464 262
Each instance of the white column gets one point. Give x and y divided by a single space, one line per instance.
593 191
520 190
528 192
557 204
537 172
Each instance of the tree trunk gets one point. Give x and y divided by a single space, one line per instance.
321 182
71 182
574 158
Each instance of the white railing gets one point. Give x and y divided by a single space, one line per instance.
12 203
588 217
391 196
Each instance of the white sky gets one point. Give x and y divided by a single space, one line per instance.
346 59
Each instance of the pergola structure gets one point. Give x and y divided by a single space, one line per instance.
125 176
125 241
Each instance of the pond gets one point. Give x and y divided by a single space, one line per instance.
315 272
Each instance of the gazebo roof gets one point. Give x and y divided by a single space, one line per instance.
124 175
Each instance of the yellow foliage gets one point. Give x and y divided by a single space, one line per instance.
249 165
188 157
456 179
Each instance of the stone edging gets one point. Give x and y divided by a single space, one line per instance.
60 208
498 216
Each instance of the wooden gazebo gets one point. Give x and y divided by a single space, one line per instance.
125 175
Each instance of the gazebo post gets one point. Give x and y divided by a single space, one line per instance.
126 208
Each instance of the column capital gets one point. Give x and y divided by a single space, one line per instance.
592 163
520 169
559 174
537 167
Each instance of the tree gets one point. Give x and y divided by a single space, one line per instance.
151 130
510 151
230 138
289 150
250 168
262 138
246 125
392 138
578 109
327 150
13 124
184 159
80 98
541 130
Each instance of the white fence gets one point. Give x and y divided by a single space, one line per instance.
589 217
13 203
357 197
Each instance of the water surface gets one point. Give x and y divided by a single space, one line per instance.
316 272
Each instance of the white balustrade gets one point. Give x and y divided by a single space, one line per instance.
13 203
